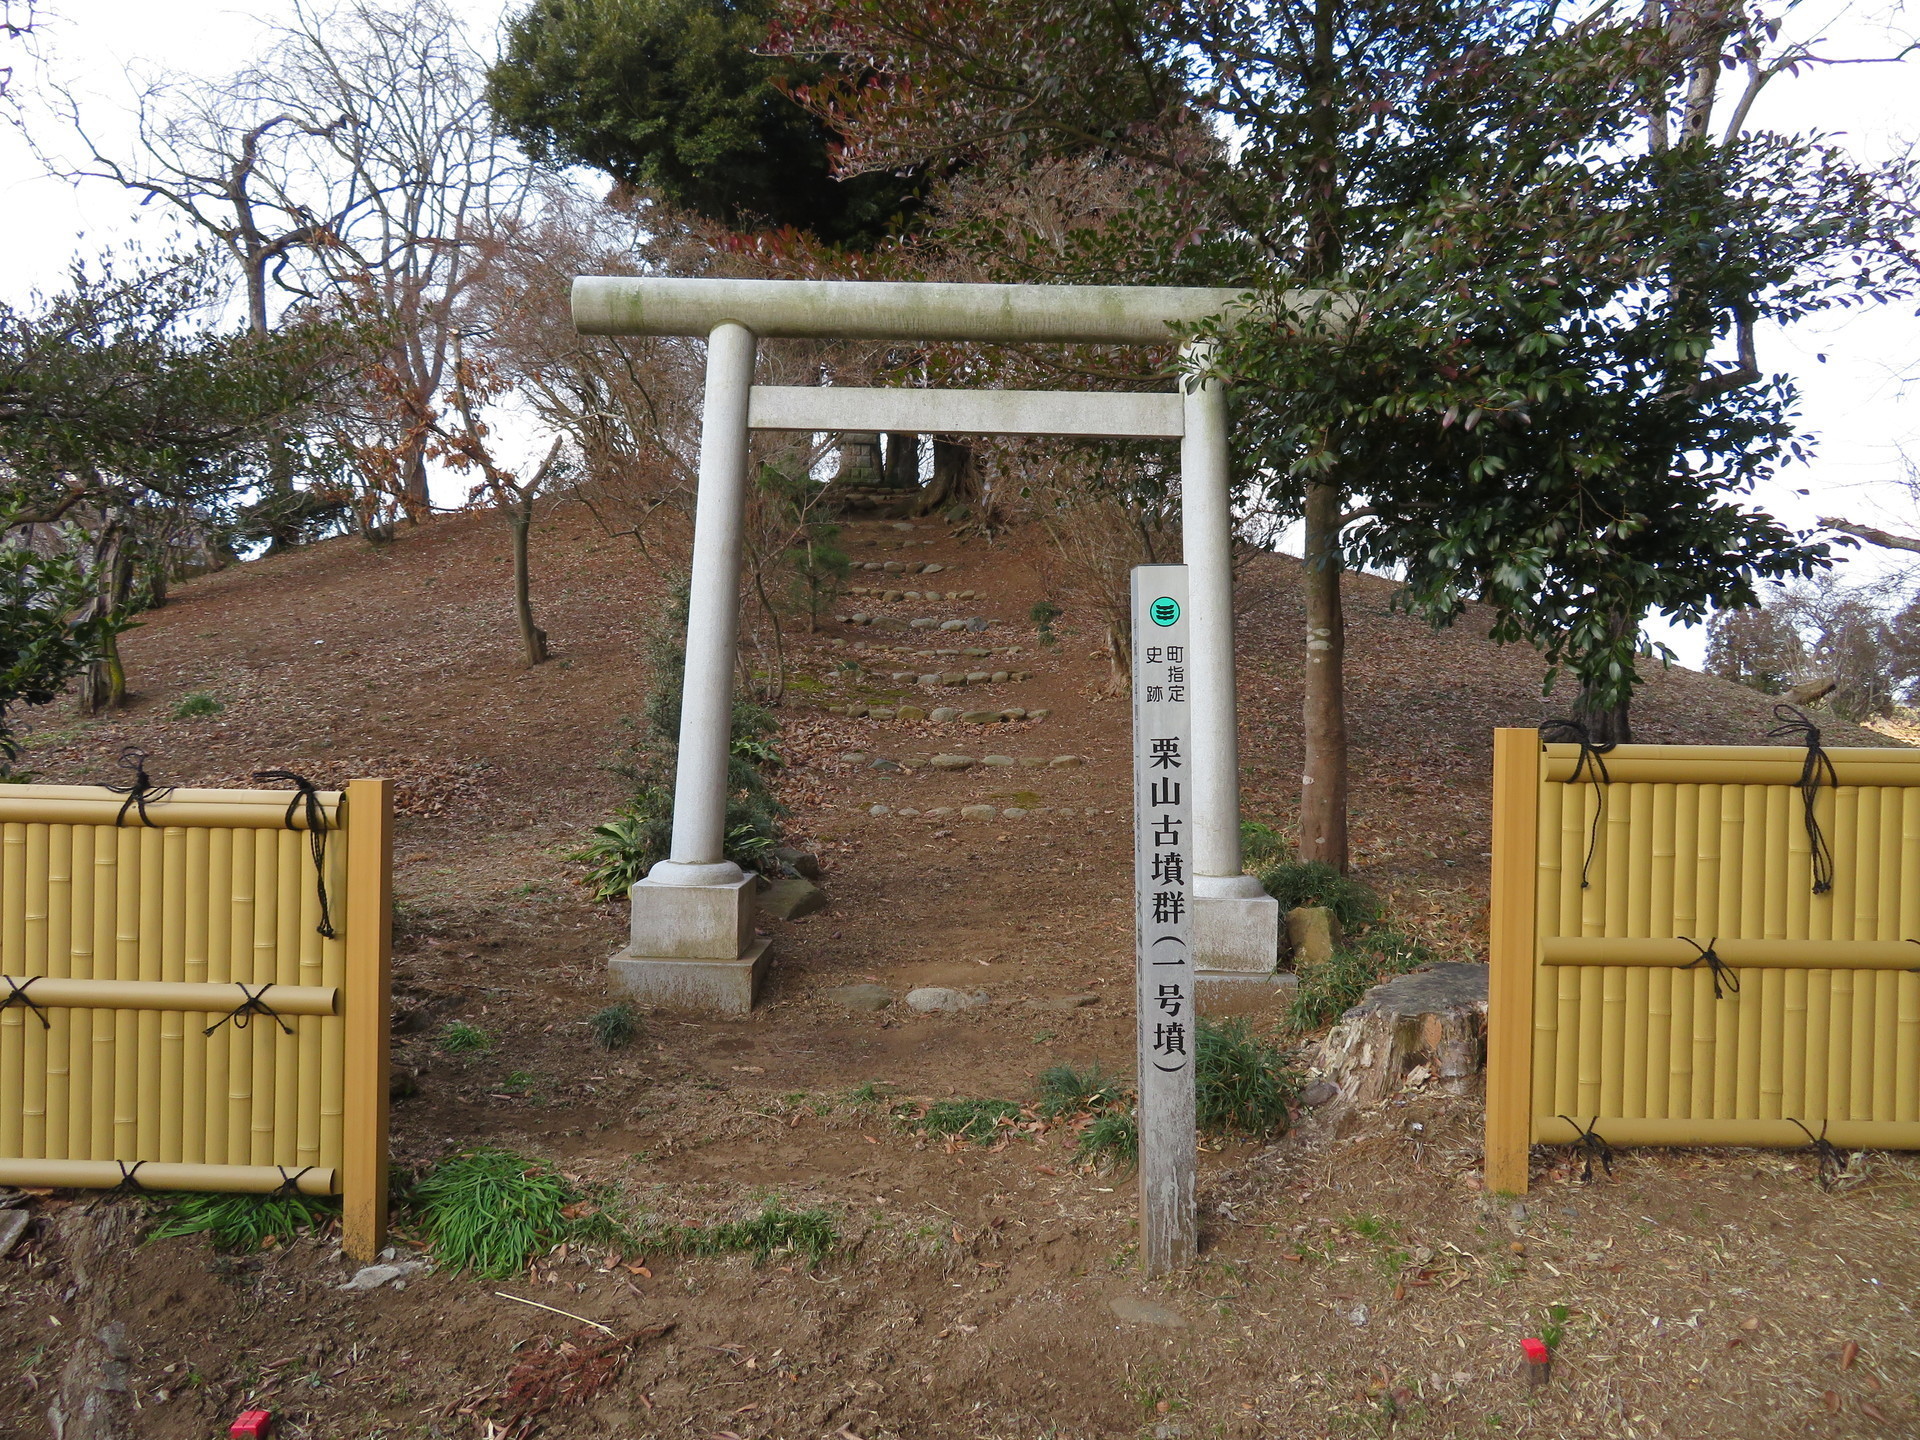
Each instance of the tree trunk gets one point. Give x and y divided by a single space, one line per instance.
1608 724
903 462
533 639
1428 1028
103 684
1323 779
955 480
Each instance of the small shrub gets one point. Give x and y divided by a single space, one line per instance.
490 1211
622 850
615 1027
773 1230
1330 989
460 1038
1112 1139
1242 1084
197 705
1064 1090
1262 847
975 1120
1314 882
244 1222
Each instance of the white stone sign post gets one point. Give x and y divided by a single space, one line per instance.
1163 913
692 944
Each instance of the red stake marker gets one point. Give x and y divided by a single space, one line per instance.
252 1425
1539 1360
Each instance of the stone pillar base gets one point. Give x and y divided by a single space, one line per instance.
692 922
694 987
1235 932
1239 992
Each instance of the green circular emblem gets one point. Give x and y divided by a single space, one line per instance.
1165 610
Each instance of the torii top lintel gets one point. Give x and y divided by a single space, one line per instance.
897 310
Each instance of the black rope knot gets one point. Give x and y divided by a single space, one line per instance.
289 1184
17 995
242 1014
128 1184
305 792
1590 764
1592 1147
1794 722
1723 973
1833 1163
141 789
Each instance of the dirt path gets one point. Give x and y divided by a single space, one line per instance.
1355 1281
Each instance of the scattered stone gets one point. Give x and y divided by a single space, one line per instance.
978 812
909 712
889 596
977 652
372 1277
861 997
1312 933
979 717
862 618
978 677
953 624
952 762
1000 677
938 1000
878 810
1032 762
893 567
923 622
881 762
940 810
1136 1311
792 898
1319 1094
906 810
952 677
1012 713
1066 812
1064 762
852 757
909 594
880 712
871 565
945 714
1013 812
977 625
996 760
928 680
903 677
800 862
1040 714
13 1224
931 569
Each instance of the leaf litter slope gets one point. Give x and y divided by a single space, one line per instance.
1353 1283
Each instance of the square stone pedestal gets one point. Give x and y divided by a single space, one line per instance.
1236 933
692 948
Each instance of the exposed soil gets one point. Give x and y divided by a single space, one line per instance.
1354 1282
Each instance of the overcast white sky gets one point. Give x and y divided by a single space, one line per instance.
1860 404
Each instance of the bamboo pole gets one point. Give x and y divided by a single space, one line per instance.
1886 985
291 875
130 877
59 963
1687 803
1657 954
311 967
193 1052
13 953
173 969
368 905
1615 883
1546 996
1639 878
106 965
1659 985
200 998
219 972
333 1033
1906 1104
1572 849
1838 824
239 1047
1781 1134
93 805
80 960
1772 999
159 1175
1740 1029
1737 765
151 907
1793 1005
266 947
33 1107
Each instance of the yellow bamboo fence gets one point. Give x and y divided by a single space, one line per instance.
1606 1018
172 1014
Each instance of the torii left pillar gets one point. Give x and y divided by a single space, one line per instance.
691 945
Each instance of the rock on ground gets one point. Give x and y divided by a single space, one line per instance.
791 898
861 997
938 1000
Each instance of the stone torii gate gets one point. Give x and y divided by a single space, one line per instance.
692 943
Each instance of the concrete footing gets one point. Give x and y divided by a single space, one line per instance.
1238 932
694 987
1236 992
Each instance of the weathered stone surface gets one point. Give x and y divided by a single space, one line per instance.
978 812
881 762
938 810
861 997
1319 1094
801 862
953 677
1011 713
952 762
938 1000
980 717
1136 1311
931 569
996 760
893 567
1412 1030
1000 677
1064 762
1013 812
862 618
1039 714
791 898
923 622
13 1224
880 712
906 810
978 677
1312 932
910 712
372 1277
953 624
977 625
878 810
943 714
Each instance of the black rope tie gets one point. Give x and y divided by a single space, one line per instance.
289 1184
128 1185
1592 1147
1723 973
1573 732
242 1014
1833 1164
141 790
307 793
17 995
1793 722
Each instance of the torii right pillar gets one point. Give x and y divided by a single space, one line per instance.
1236 928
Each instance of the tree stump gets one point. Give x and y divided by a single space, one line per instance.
1429 1027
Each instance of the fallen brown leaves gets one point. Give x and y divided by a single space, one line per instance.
557 1375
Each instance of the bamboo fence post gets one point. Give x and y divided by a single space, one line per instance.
1886 983
149 939
1659 988
236 1050
1686 909
290 865
1772 983
1740 1025
33 1109
1550 862
129 877
369 944
1572 851
79 1116
1511 955
193 1061
13 950
1906 1049
1838 823
106 966
173 1023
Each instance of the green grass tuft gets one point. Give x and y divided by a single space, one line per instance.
460 1038
976 1120
1242 1083
1330 989
1064 1090
244 1222
1112 1139
774 1230
197 705
1314 882
491 1211
1261 846
615 1027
